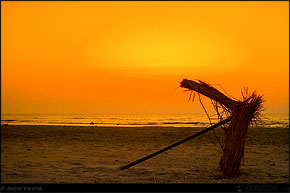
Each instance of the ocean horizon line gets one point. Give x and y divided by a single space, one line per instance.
118 120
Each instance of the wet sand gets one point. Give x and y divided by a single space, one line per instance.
90 154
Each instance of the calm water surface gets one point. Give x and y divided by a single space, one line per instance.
184 120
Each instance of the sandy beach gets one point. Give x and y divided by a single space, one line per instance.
90 154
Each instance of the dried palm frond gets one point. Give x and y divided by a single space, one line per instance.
243 112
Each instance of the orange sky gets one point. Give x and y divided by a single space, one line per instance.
129 57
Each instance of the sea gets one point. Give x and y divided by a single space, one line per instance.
136 120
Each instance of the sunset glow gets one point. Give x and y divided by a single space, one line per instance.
129 57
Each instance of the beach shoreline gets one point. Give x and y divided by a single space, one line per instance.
91 154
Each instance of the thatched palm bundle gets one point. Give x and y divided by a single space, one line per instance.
242 112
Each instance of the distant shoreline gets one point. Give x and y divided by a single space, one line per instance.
96 126
123 126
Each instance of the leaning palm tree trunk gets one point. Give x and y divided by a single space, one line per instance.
243 113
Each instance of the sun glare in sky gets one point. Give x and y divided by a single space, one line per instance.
129 57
